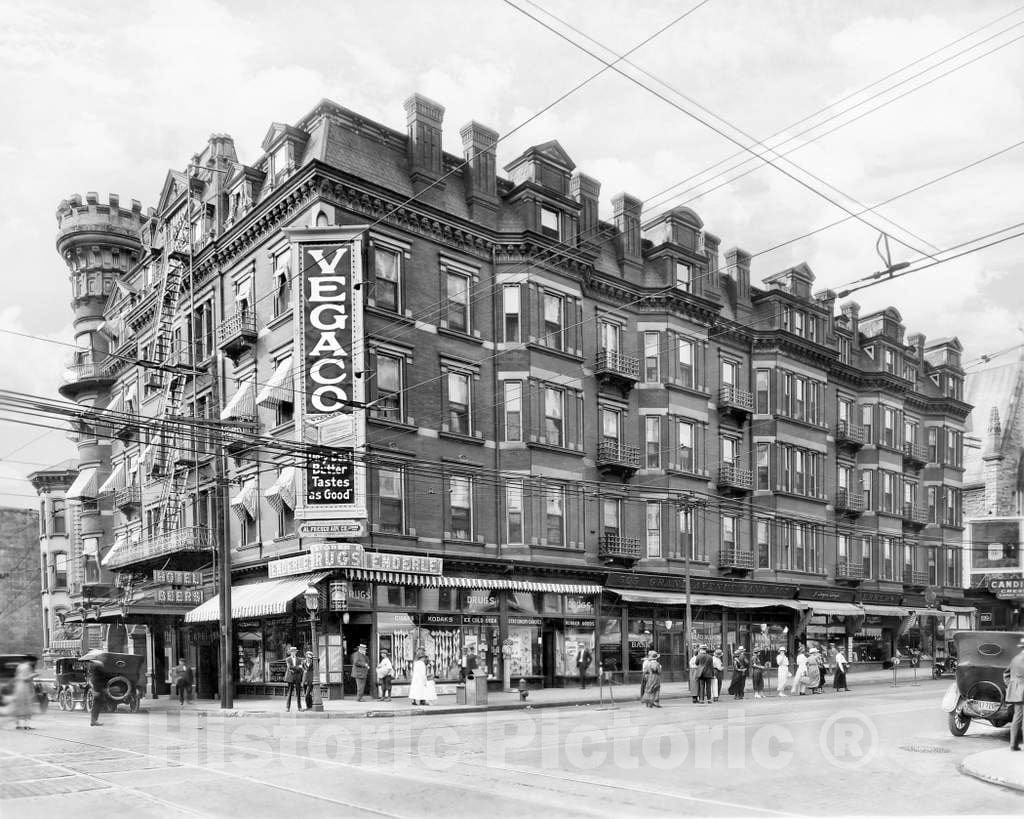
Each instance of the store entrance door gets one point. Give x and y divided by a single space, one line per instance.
352 635
548 647
208 672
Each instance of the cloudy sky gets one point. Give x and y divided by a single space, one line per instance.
106 97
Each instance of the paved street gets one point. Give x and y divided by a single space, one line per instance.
873 751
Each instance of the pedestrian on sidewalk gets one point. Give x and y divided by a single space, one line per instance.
583 659
307 680
705 675
293 679
813 671
695 676
782 661
1014 676
643 672
740 667
183 681
652 681
360 670
385 674
719 665
757 673
419 690
22 696
800 675
839 683
98 683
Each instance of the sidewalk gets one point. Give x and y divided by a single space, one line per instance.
496 700
1000 766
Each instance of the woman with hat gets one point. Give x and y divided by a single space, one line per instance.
813 671
419 689
652 680
782 661
740 666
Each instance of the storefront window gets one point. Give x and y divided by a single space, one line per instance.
439 599
406 597
481 638
526 601
869 644
472 600
611 644
575 634
524 636
707 633
277 638
395 633
441 638
250 656
641 640
551 603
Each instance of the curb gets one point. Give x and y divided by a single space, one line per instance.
965 767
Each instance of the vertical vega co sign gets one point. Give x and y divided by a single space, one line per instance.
329 343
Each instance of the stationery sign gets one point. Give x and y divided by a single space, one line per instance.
327 283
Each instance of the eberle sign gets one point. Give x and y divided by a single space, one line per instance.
352 556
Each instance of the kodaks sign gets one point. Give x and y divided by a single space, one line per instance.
329 343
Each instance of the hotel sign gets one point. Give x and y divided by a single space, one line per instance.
329 347
351 556
171 578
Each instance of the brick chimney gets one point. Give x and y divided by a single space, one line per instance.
586 190
852 312
737 265
479 149
423 118
917 341
628 250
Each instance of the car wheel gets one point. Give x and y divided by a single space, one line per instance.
87 703
958 723
62 701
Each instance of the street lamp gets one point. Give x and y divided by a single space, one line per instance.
312 595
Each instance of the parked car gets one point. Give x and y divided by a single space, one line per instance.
980 690
8 668
123 680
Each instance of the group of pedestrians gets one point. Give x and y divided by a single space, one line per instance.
811 669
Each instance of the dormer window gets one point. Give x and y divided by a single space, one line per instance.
279 162
889 360
549 223
684 277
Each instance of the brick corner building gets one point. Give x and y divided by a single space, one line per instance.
483 421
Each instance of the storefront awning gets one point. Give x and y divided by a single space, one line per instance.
885 611
728 601
256 599
114 482
927 613
282 493
279 389
836 609
85 485
403 579
959 609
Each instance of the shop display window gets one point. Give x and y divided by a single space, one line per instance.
870 644
568 641
525 602
481 637
551 603
475 600
402 597
706 633
332 658
525 659
439 599
611 644
277 635
641 640
250 657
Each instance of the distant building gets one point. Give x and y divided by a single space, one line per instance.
22 630
994 492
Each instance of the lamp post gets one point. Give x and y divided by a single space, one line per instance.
312 595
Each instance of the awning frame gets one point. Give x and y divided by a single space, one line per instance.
263 599
679 599
85 485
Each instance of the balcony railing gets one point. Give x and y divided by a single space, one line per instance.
849 502
610 362
849 569
912 578
733 477
915 454
849 433
128 497
914 514
734 399
733 558
162 545
237 333
613 453
616 547
83 375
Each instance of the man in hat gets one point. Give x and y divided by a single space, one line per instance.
293 679
1014 676
740 666
705 674
360 670
583 659
308 667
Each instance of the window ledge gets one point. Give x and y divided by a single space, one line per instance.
396 535
390 315
798 496
457 436
673 385
687 473
555 448
472 338
571 355
462 542
280 320
391 424
779 416
288 426
802 573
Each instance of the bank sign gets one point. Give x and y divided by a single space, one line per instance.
329 342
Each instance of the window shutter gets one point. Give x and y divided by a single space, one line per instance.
574 419
574 311
536 314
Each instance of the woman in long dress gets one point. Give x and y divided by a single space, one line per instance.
782 661
813 671
652 681
22 696
418 689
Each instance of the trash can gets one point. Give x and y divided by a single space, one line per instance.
460 694
479 683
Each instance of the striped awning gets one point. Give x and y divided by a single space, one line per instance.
119 548
282 493
85 485
262 599
131 398
279 389
152 455
835 609
115 409
726 600
244 503
115 481
67 645
242 404
404 579
885 611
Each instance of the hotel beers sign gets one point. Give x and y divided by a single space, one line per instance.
329 343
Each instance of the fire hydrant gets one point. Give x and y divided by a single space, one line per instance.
523 693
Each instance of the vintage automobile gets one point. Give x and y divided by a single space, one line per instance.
979 692
9 666
70 685
122 678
